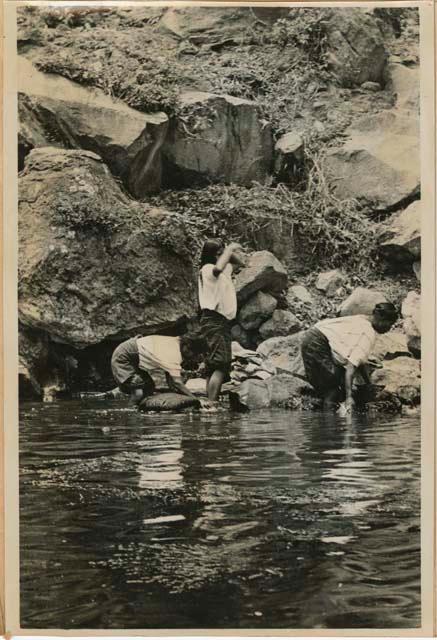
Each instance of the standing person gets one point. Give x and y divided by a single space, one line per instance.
218 305
335 349
134 359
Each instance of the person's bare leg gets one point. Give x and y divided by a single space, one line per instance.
214 385
329 400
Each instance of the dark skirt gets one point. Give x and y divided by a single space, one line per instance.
216 330
321 370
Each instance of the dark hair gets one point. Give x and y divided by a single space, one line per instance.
210 252
386 311
193 346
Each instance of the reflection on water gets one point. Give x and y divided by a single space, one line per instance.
267 520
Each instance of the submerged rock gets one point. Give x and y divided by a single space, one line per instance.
264 272
399 237
362 301
94 264
55 111
217 138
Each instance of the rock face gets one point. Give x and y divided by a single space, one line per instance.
263 272
92 263
399 237
400 377
361 301
412 324
330 281
289 157
57 112
356 51
219 139
405 84
211 25
380 163
282 323
257 310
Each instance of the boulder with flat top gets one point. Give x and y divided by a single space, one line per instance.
263 272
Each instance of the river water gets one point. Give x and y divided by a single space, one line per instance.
266 520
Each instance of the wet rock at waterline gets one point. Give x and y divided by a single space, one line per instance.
361 301
399 237
94 264
55 111
217 138
263 271
400 377
281 390
380 162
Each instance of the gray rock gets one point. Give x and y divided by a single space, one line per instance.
55 111
224 142
258 308
243 337
355 47
400 377
262 272
197 386
371 86
417 270
93 263
330 281
390 345
298 292
284 354
411 307
210 25
399 236
361 302
380 162
283 389
251 394
404 82
282 323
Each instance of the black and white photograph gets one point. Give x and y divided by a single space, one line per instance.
218 299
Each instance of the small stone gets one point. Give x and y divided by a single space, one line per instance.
330 281
371 86
299 292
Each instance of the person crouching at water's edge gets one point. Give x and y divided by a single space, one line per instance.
218 305
134 359
335 349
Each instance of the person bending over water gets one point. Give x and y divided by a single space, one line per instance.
218 305
134 359
335 349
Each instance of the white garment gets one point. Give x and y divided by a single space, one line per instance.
160 352
217 293
351 338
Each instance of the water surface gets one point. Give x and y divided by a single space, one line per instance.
266 520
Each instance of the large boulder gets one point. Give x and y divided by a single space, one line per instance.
361 301
263 272
217 138
257 310
399 236
355 47
55 111
207 25
284 354
282 390
93 264
400 377
282 323
380 163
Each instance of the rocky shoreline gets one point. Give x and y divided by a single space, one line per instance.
108 227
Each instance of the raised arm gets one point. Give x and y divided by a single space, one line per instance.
228 254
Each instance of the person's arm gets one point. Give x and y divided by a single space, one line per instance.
228 253
349 374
